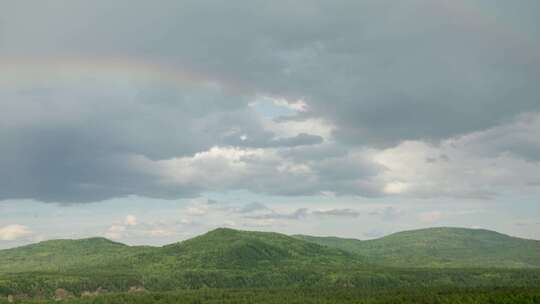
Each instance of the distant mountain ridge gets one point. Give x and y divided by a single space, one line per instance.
221 248
442 247
225 248
228 248
227 258
66 254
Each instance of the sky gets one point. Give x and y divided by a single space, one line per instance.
150 122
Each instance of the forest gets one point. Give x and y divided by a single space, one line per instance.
233 266
299 296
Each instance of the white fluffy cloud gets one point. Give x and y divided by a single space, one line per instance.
14 232
120 230
130 220
133 228
198 207
482 164
115 232
264 171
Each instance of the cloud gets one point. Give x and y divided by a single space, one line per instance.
298 105
252 207
212 202
133 229
519 138
130 220
160 107
197 210
388 82
160 232
302 213
336 213
264 215
388 214
262 171
116 232
14 232
430 216
301 139
202 206
85 155
80 153
481 165
295 215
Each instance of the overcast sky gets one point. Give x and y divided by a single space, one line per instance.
150 122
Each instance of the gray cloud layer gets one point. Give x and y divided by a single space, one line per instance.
380 72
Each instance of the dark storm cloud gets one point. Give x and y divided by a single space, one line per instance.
74 145
380 71
521 138
60 166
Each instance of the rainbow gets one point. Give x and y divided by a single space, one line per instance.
21 71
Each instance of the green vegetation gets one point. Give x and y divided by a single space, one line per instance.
233 249
218 249
66 255
442 248
236 266
302 296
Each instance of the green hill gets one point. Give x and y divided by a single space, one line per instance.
227 248
233 249
218 249
442 247
220 258
66 255
226 258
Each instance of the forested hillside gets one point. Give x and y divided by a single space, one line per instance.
231 259
441 247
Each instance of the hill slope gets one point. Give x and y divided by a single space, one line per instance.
226 258
442 247
223 258
67 255
227 248
218 249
